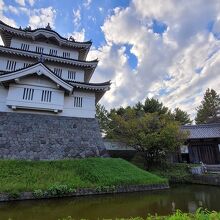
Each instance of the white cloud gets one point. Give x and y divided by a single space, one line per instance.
78 35
166 64
20 2
23 2
87 3
31 2
76 17
8 21
13 9
41 17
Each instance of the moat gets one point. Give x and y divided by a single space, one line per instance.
184 197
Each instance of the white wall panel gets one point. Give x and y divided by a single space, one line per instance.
16 43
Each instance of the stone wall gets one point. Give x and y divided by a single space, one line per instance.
207 179
85 192
44 137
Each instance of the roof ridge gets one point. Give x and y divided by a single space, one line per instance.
201 125
34 52
45 29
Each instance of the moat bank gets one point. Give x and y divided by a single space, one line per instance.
185 197
46 179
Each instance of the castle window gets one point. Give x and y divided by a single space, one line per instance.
53 52
39 49
25 46
28 94
26 65
58 72
78 102
66 54
71 75
46 96
11 65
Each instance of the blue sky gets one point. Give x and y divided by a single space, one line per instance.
154 48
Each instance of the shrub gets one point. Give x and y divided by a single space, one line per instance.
57 189
38 193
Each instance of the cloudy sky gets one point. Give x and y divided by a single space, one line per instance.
169 49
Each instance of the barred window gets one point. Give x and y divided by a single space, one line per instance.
53 52
46 96
28 94
25 46
39 49
66 54
11 65
71 75
78 102
58 71
26 65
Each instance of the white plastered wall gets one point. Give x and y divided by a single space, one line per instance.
16 43
79 74
88 99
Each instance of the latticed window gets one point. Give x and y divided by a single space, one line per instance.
53 52
11 65
25 46
58 71
46 96
39 49
26 64
71 75
78 102
28 94
66 54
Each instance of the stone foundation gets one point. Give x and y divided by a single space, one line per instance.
45 137
85 192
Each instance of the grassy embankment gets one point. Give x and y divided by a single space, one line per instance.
178 215
175 173
64 176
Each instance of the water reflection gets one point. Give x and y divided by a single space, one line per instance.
185 197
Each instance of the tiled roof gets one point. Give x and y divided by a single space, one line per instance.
43 29
203 130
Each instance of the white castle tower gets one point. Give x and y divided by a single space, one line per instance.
42 75
46 73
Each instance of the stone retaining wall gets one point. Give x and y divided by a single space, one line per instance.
45 137
207 179
84 192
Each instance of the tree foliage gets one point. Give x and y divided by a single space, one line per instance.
150 128
153 105
208 111
152 134
102 116
181 116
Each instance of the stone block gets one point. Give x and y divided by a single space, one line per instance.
45 137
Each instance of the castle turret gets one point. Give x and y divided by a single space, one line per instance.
47 103
36 64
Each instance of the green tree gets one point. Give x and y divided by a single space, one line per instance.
102 116
181 116
208 111
153 105
152 134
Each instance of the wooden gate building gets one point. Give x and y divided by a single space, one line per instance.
203 143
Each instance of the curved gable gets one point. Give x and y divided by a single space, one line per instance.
39 69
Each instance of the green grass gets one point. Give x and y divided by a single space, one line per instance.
179 172
18 176
178 215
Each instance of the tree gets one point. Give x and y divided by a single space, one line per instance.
153 105
152 134
102 116
208 111
181 116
